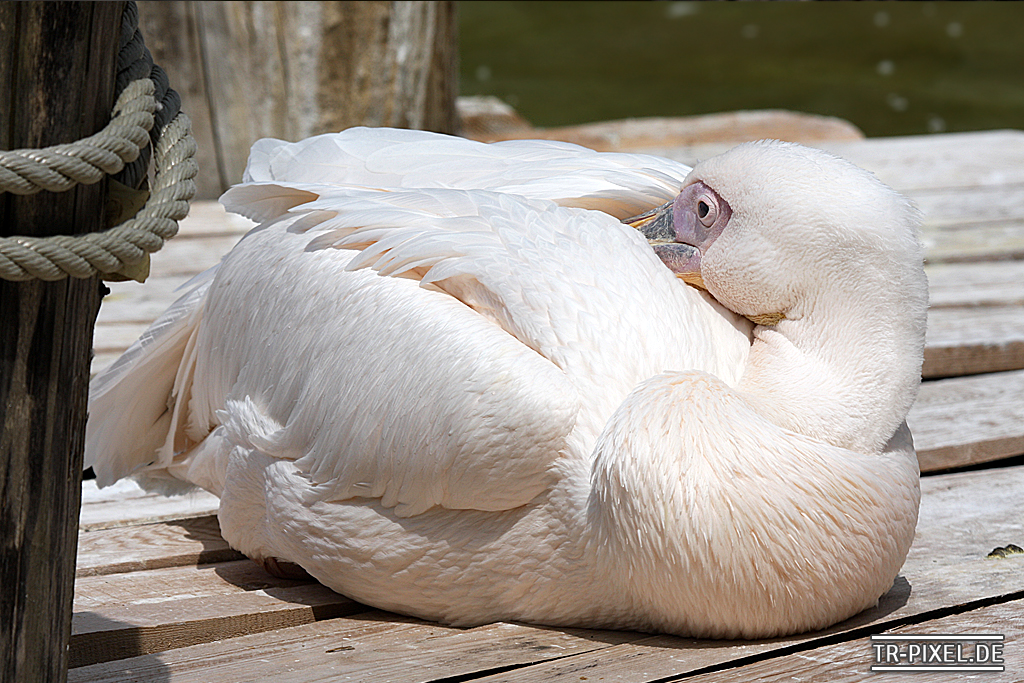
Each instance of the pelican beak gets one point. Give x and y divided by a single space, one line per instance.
658 226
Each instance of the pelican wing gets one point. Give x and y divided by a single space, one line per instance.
457 379
428 345
622 185
376 387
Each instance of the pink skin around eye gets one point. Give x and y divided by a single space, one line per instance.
687 213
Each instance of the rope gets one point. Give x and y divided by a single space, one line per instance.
144 100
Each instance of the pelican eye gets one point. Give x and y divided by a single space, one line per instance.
707 210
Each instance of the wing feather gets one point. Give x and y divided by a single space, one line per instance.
429 321
386 159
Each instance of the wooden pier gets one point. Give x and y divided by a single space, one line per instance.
161 597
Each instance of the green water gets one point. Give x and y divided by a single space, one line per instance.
894 68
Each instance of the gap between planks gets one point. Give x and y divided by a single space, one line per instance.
852 660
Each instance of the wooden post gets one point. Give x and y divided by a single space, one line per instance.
290 70
57 67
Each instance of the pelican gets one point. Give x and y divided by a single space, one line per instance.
528 381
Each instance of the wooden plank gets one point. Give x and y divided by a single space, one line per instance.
852 660
949 207
113 632
151 546
330 639
655 658
965 341
126 503
964 516
967 420
983 242
929 162
999 283
374 646
191 256
945 570
315 652
157 586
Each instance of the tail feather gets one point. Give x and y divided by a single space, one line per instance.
135 405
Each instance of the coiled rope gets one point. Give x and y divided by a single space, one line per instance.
144 104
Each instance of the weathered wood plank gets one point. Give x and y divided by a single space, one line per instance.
852 660
112 632
151 546
125 503
955 207
930 162
967 420
999 283
373 646
984 242
156 586
191 256
964 516
967 341
330 639
944 570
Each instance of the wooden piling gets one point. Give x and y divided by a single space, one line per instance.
57 68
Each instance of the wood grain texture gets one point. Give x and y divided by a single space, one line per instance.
47 326
955 207
954 161
852 660
968 420
152 546
169 584
946 569
125 503
128 630
373 646
999 283
171 30
914 165
972 340
292 70
981 243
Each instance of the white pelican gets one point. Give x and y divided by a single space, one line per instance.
445 379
